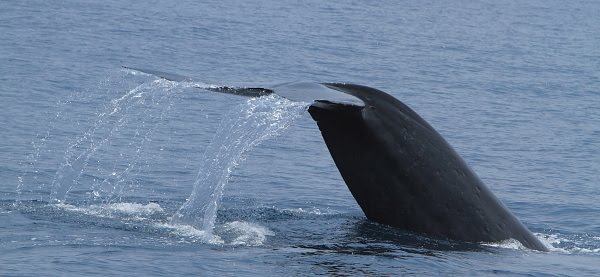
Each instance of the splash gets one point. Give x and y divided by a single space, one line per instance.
507 244
244 128
556 242
246 233
570 244
113 148
126 123
131 211
151 218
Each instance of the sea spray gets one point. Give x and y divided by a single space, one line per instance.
77 156
125 125
244 128
100 165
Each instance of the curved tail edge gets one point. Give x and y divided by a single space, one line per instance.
324 96
240 91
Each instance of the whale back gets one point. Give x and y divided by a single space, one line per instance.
403 173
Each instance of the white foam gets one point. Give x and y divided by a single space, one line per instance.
134 210
246 233
68 207
187 231
237 233
507 244
553 241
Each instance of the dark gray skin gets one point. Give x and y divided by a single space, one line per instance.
399 169
404 174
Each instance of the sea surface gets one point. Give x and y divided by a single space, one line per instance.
111 172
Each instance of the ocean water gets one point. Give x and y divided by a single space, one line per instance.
108 171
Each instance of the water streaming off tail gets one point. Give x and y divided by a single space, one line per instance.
121 140
242 129
103 159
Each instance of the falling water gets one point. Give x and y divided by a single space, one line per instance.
126 122
244 128
102 163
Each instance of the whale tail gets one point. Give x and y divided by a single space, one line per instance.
399 169
325 96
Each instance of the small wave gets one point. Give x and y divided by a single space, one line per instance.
563 244
310 211
554 242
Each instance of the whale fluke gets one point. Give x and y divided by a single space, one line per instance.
311 93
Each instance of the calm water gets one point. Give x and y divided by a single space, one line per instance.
98 161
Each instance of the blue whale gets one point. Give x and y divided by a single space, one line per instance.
399 169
